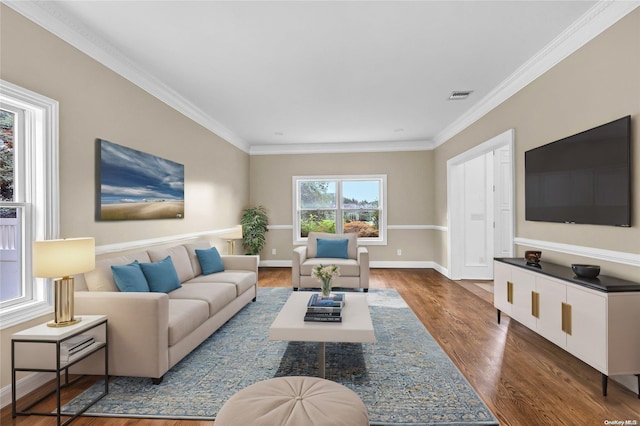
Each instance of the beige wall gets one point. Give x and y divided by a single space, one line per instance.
409 192
97 103
598 83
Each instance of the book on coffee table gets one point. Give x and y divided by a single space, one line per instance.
334 300
325 308
323 318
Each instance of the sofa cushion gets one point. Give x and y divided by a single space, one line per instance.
161 276
210 260
129 277
352 246
216 295
184 317
179 257
101 278
332 248
193 257
348 267
243 280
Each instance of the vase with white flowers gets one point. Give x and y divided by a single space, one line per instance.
325 275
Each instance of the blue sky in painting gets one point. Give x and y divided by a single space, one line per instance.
128 175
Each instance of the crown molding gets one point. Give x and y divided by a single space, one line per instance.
596 20
341 147
47 15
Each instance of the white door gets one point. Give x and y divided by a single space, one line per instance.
477 217
503 202
473 207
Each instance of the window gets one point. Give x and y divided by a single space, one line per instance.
28 198
339 205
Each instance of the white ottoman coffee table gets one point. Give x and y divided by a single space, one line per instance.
356 325
294 401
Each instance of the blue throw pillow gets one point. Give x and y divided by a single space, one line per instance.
333 248
130 277
161 276
210 261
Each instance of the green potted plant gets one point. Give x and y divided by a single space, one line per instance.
254 226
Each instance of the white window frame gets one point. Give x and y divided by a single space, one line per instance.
36 192
382 224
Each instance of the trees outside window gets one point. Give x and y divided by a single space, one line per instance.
28 198
339 205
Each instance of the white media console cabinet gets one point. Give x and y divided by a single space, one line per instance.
595 319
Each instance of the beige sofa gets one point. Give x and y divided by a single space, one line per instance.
354 269
151 332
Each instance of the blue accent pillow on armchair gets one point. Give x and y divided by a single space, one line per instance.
161 276
333 248
130 277
210 261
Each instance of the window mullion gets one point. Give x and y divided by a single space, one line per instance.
339 206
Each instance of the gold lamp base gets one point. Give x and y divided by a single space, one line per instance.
64 324
232 246
63 303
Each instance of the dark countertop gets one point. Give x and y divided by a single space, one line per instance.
601 283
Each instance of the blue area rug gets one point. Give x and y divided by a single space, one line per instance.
403 379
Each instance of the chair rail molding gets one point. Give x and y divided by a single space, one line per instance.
592 252
131 245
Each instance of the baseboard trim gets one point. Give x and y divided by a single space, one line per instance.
24 386
401 264
375 264
275 264
631 259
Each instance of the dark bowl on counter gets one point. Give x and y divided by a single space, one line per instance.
585 271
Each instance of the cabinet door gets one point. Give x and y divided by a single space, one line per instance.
587 339
553 293
523 286
501 280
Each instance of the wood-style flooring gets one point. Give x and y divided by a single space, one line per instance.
523 378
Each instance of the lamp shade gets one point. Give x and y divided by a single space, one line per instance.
234 234
61 258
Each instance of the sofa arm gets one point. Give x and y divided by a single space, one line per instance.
299 256
242 262
363 261
138 330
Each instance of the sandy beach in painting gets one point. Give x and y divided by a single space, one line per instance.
143 210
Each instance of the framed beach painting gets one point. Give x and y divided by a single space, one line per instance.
135 185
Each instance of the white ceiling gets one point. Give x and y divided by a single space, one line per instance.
294 76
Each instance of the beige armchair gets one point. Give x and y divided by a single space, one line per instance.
352 260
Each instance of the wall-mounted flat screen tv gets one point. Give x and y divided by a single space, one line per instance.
584 178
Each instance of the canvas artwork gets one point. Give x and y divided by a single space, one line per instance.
137 185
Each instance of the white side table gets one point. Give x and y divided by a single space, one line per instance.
37 349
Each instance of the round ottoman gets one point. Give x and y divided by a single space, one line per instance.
294 401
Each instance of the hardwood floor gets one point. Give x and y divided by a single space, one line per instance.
523 378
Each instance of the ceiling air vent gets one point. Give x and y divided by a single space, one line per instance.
460 94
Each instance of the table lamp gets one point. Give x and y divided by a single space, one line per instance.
232 236
59 259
